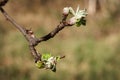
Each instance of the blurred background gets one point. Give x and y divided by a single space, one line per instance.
92 51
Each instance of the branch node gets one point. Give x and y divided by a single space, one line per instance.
30 33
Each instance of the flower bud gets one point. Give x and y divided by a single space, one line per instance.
72 20
66 10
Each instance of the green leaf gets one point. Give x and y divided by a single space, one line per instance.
83 21
80 22
40 64
57 58
46 56
54 69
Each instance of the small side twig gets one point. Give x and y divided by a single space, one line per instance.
61 26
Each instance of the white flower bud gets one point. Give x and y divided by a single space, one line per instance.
66 10
72 20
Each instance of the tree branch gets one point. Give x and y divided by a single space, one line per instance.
29 35
47 61
61 26
20 28
3 2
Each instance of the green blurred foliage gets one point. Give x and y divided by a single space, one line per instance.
92 52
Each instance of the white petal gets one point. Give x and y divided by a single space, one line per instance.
77 10
81 13
72 11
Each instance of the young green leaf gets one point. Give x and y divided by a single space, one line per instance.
40 64
46 56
